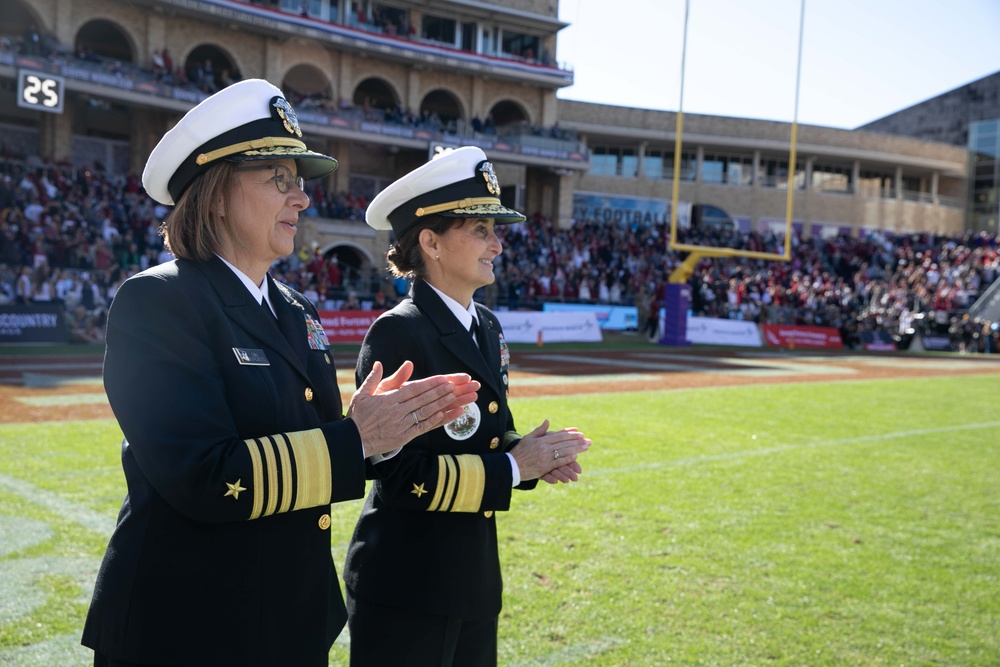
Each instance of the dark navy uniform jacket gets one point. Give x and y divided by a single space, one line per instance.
235 446
426 539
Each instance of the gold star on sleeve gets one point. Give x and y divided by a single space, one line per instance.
234 489
418 490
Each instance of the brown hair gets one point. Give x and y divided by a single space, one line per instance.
193 230
404 258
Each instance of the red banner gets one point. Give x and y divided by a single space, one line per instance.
793 335
347 326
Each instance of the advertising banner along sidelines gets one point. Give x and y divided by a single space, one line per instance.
522 326
792 336
711 331
618 318
347 326
34 323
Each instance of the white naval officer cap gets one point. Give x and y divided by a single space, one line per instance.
457 184
249 120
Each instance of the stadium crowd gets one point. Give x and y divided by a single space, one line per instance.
73 235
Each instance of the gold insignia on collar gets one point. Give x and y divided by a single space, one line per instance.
490 176
418 490
234 489
287 115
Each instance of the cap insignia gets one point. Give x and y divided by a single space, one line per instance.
287 115
492 184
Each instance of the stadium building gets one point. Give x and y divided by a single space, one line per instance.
965 116
384 85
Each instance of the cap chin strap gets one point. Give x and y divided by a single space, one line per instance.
452 205
242 147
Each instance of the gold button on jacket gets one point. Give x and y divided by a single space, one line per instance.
324 522
494 443
493 407
488 513
309 394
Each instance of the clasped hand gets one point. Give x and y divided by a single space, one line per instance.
390 412
550 455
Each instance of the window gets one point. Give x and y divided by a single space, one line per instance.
689 164
468 41
713 169
653 166
629 163
437 29
776 174
614 161
520 45
830 178
739 170
729 169
876 184
603 163
392 20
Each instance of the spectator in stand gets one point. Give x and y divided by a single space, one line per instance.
159 67
351 302
24 289
43 288
381 302
83 327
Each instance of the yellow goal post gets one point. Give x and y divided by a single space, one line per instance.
697 252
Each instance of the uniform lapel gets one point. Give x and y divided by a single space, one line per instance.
240 306
291 320
489 341
454 337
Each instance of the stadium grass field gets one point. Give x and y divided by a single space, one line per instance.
851 522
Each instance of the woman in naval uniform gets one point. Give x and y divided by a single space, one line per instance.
223 384
423 572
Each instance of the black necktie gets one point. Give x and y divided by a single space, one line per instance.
267 309
477 335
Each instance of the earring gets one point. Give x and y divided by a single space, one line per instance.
437 257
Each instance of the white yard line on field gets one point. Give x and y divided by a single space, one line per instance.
769 367
876 437
97 522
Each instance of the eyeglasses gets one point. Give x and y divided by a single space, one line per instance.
282 178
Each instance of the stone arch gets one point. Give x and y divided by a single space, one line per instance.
444 104
356 262
223 69
105 39
375 93
508 113
26 29
307 87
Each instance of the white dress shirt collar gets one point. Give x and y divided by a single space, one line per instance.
259 292
464 314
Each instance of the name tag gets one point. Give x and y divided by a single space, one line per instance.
250 357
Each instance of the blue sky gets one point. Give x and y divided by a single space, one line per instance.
861 59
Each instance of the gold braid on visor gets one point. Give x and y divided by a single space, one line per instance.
452 205
256 144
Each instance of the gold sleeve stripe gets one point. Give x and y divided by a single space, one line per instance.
285 465
509 437
448 497
312 463
270 475
471 483
439 487
258 478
